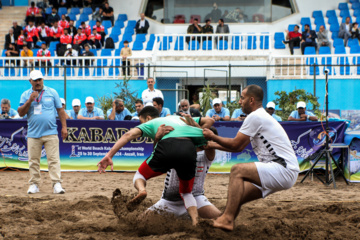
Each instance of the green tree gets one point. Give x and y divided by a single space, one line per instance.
232 106
207 96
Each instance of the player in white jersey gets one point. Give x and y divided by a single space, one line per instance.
171 201
277 168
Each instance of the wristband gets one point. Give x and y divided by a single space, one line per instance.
221 119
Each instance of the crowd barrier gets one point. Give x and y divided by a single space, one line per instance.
88 141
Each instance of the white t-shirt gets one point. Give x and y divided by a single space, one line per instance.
171 190
269 139
147 95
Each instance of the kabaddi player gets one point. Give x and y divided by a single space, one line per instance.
277 168
177 150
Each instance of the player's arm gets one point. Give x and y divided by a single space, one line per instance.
210 154
236 144
206 122
161 132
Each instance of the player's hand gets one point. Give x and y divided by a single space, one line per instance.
187 119
104 163
64 133
208 134
162 131
33 96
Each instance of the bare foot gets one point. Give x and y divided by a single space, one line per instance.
223 224
131 206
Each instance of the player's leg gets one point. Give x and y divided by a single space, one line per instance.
185 189
206 209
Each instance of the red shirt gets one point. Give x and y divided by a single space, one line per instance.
65 39
31 30
63 24
294 35
20 40
86 30
32 11
43 53
56 32
99 29
79 38
97 37
46 31
29 37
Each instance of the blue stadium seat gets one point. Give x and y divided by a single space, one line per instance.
103 62
115 63
318 27
343 6
116 31
140 37
165 43
152 37
330 13
264 44
119 24
355 49
353 42
114 37
235 43
48 10
310 61
72 16
251 42
291 27
122 17
92 23
357 13
138 46
279 37
222 45
333 20
353 1
83 17
338 42
345 13
131 23
150 45
127 37
75 10
309 50
62 10
334 34
325 50
77 24
193 45
179 43
207 45
121 45
356 60
317 13
355 5
334 28
107 24
53 44
319 21
344 70
87 10
305 20
129 30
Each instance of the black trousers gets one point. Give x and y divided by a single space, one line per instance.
126 64
294 42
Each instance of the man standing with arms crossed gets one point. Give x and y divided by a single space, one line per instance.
39 103
277 168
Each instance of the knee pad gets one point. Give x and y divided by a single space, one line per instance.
189 200
138 176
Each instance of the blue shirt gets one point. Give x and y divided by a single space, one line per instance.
72 114
12 112
295 114
135 114
44 122
276 117
97 112
119 116
164 112
223 112
67 112
237 113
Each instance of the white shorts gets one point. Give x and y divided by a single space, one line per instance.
274 177
177 207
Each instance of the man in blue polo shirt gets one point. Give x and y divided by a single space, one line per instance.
118 111
218 112
6 110
139 105
270 109
301 114
76 104
90 112
158 103
40 103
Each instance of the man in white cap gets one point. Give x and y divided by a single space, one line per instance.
149 94
67 112
39 104
91 112
76 105
301 114
270 109
218 112
70 52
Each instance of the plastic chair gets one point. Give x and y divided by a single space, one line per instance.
355 5
327 61
264 42
207 45
72 16
343 6
251 42
131 23
127 37
75 10
122 17
324 50
334 28
87 10
150 45
334 35
279 37
165 43
291 27
62 11
319 21
92 23
333 20
138 46
317 13
330 13
83 18
53 44
310 61
357 13
119 24
48 10
344 70
140 37
114 37
222 45
345 13
107 24
235 43
338 42
193 45
116 31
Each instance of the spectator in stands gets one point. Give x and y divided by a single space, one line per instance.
72 29
80 39
108 13
40 17
65 38
30 13
90 112
86 29
194 28
17 29
94 40
76 104
308 38
215 14
125 53
100 30
238 115
218 112
26 52
158 103
6 109
233 16
222 28
56 32
71 53
11 51
20 40
32 31
53 17
44 33
186 109
98 14
355 30
207 29
293 38
139 105
270 109
67 112
345 30
29 40
301 114
43 52
142 25
118 111
63 23
9 38
87 53
149 94
322 35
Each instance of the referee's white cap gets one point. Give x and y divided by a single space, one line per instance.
36 74
89 100
62 101
76 102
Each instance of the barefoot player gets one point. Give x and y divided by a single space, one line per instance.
277 168
177 150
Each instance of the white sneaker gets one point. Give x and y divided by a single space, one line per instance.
33 189
58 189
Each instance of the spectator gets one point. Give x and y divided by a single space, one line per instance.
11 51
90 112
270 109
67 112
194 28
20 40
80 39
142 25
40 103
32 32
108 13
72 29
185 108
30 13
6 109
308 38
215 14
56 32
149 94
63 23
322 35
44 33
69 54
218 112
222 28
43 52
125 53
301 114
39 17
17 29
118 111
158 103
238 115
76 104
293 38
65 38
53 17
26 52
139 105
87 53
355 30
98 14
85 29
345 30
100 30
9 38
208 29
94 40
233 16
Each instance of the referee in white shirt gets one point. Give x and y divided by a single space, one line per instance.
149 94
